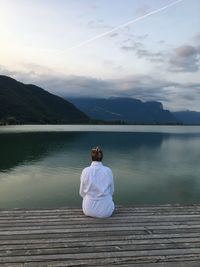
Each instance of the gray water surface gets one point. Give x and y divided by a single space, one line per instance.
40 166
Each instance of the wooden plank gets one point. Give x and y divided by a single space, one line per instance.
92 238
134 219
67 243
157 264
120 219
135 236
122 262
102 229
117 212
139 208
123 211
79 226
104 255
101 234
78 249
81 215
111 219
114 217
62 225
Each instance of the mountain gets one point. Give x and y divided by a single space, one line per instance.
187 117
27 103
125 109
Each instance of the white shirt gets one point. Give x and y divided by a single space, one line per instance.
96 189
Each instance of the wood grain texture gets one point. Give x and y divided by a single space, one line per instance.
146 236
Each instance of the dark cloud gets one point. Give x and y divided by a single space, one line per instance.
114 34
141 52
139 86
146 94
152 56
189 97
144 87
185 58
191 91
186 51
128 47
72 86
132 46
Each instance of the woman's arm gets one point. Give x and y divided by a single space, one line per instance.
112 183
82 184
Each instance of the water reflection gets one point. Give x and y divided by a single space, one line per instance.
42 169
17 149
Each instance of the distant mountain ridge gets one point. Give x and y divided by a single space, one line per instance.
27 103
125 109
188 117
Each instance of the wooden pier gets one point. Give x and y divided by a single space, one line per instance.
153 236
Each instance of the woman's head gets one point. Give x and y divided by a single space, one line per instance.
96 154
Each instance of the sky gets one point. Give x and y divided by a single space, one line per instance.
144 49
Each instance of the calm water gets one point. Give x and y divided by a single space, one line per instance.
40 166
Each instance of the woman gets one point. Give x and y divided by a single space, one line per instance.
97 187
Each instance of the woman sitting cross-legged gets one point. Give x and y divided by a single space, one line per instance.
97 187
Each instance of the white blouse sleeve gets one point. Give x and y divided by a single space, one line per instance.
81 190
112 183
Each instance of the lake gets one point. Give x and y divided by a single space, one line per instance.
40 166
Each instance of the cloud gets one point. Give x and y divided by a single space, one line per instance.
70 86
7 72
152 56
144 9
137 86
132 46
145 88
93 6
109 64
185 97
185 58
196 38
142 52
114 34
33 71
173 95
98 24
186 51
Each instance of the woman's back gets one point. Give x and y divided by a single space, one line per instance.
98 180
96 189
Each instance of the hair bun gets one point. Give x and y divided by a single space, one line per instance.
97 154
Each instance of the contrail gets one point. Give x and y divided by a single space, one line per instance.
121 26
